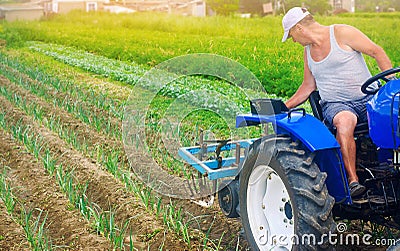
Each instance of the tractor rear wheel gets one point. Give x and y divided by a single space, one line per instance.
284 202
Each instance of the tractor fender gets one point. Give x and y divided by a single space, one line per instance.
316 137
301 126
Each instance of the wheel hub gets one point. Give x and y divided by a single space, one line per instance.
288 210
269 210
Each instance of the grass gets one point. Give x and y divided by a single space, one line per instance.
148 40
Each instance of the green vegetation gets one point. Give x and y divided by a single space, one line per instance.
101 220
33 226
147 39
50 59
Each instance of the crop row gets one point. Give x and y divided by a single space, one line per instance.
102 221
51 93
82 111
76 192
33 227
111 106
216 95
108 158
110 163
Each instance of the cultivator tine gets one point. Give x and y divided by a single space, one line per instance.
200 186
204 190
192 185
195 184
192 193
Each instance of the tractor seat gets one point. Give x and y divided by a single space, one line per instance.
315 98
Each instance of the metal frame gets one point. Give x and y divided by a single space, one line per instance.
230 166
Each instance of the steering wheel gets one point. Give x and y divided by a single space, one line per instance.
379 76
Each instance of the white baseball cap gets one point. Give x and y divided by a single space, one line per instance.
292 17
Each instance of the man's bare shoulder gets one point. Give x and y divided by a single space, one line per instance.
344 29
346 34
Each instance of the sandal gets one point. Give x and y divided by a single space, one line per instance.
356 189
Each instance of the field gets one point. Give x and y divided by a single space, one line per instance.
66 182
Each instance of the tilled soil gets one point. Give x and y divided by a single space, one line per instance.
103 190
37 190
210 217
11 233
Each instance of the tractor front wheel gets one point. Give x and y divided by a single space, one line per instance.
284 202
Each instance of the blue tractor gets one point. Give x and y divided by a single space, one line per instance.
291 182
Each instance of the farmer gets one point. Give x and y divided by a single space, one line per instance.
333 63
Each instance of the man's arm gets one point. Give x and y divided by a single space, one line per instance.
351 37
305 88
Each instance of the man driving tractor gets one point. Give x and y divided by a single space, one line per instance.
334 64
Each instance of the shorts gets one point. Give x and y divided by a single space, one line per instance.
358 107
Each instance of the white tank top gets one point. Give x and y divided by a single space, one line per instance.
339 75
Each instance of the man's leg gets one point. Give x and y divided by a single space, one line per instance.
345 122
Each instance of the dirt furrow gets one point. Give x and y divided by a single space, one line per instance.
84 132
103 189
35 189
11 234
87 81
52 92
210 217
